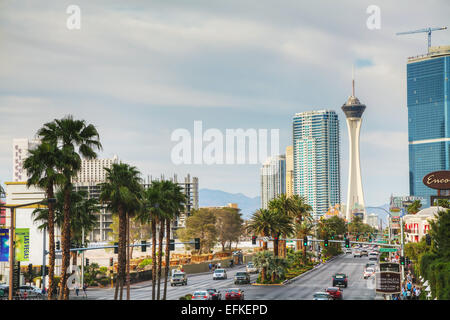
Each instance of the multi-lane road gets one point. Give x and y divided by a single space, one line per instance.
302 288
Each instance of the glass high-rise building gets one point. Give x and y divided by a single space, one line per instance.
317 159
428 118
273 179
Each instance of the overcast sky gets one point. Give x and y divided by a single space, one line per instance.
138 70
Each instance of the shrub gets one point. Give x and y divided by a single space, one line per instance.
103 270
144 263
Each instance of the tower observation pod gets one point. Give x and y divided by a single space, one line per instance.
353 110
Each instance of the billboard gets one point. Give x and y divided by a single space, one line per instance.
22 244
4 244
388 282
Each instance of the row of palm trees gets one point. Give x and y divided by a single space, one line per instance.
157 205
51 167
285 216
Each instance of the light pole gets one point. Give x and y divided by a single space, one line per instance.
12 234
389 222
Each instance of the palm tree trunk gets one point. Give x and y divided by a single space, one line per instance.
74 255
275 248
122 250
167 258
161 238
128 256
64 292
154 222
51 242
263 274
265 245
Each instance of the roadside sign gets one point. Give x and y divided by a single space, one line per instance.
388 250
381 241
389 267
388 282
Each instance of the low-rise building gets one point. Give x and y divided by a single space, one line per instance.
418 225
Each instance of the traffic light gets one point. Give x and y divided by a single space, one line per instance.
305 241
87 262
30 269
402 261
143 245
197 243
171 245
111 262
357 237
253 240
428 239
58 245
347 243
116 247
325 242
332 237
408 261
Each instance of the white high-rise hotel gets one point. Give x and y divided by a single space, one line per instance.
316 159
273 179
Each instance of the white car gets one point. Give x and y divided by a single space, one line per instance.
373 255
369 272
356 253
348 250
251 268
219 274
201 295
31 290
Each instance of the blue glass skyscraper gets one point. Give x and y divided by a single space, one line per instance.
428 117
316 159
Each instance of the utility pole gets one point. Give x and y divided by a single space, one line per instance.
402 247
43 258
82 258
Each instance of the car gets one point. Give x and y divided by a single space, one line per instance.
356 253
30 290
340 279
251 268
335 292
369 272
201 295
219 274
322 296
348 251
364 253
234 294
178 278
373 255
241 277
215 294
370 264
4 291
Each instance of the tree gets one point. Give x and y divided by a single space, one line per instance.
301 212
440 234
229 225
201 224
176 201
414 207
262 223
82 213
152 211
302 230
73 138
284 207
42 166
122 194
263 261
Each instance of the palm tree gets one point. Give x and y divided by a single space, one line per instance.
82 212
284 206
301 211
304 229
152 210
42 168
73 138
263 261
176 203
262 223
121 192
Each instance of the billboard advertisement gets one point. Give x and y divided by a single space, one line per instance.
4 244
22 244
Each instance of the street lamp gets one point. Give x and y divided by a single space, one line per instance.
12 237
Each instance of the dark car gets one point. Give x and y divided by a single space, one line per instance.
234 294
215 294
241 277
340 279
335 292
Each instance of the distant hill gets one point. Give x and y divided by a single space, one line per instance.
216 198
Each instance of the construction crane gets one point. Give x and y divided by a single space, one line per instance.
425 30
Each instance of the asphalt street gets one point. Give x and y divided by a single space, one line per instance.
302 288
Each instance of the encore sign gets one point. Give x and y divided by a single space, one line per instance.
439 180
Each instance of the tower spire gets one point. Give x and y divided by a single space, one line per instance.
353 80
